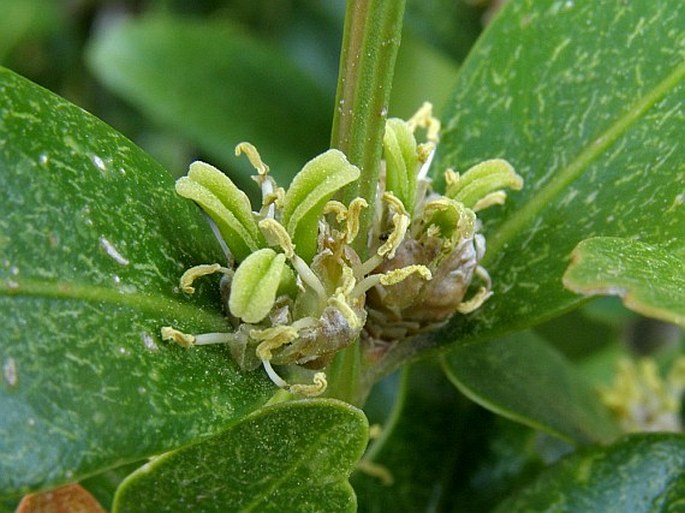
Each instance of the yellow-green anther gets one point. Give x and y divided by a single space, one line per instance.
276 235
337 208
398 275
424 119
339 302
394 203
271 339
309 192
401 161
227 205
391 278
494 198
253 156
400 225
353 215
196 272
479 297
255 283
182 339
317 387
480 180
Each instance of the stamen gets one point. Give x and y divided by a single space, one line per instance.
424 119
182 339
276 235
317 387
493 198
353 215
253 156
481 296
390 278
195 272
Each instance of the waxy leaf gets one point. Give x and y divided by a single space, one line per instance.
255 283
93 241
650 280
585 100
228 206
215 84
526 380
309 192
292 457
418 447
639 473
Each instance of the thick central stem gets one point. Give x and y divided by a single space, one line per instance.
371 39
370 42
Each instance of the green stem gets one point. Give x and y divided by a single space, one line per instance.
371 39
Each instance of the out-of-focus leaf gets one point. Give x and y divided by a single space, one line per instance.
292 457
651 280
218 86
526 380
22 18
93 240
640 473
585 100
450 25
418 447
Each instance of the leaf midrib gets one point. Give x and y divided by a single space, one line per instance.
283 478
151 304
574 170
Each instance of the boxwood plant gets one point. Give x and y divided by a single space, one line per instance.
398 319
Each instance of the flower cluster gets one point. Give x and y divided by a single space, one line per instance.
296 292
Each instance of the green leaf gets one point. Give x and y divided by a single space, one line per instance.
213 83
585 101
292 457
651 280
93 241
639 473
255 284
309 192
526 380
226 204
419 445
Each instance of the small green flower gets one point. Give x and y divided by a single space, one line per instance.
297 292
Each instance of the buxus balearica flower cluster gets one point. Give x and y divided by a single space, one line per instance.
295 290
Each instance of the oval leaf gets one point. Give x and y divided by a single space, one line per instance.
524 379
309 192
640 473
255 283
93 241
292 457
650 280
228 206
213 83
585 101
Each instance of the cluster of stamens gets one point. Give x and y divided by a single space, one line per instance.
295 290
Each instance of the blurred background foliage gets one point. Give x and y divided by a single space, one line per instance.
143 67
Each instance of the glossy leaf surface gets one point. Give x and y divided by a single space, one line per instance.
585 101
641 474
292 457
93 241
419 445
217 86
650 280
526 380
